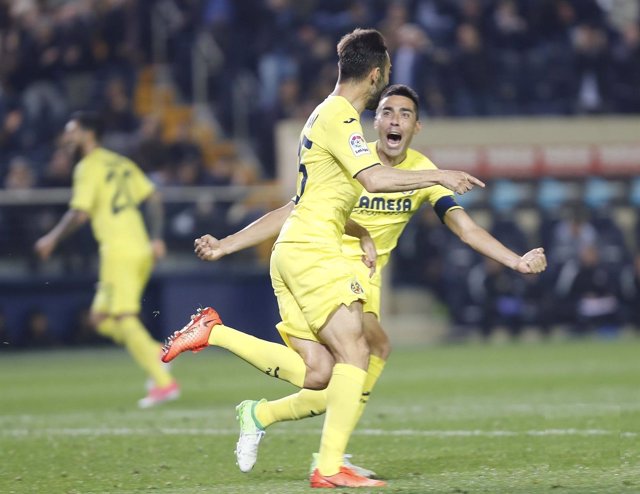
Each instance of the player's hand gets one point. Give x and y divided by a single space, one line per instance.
459 182
532 262
159 249
44 247
370 255
208 248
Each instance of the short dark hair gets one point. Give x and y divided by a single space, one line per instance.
402 90
360 51
89 120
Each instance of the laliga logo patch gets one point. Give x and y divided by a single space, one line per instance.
358 145
356 288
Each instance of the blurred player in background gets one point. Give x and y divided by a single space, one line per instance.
384 216
108 190
319 292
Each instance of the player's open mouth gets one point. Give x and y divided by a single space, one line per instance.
394 139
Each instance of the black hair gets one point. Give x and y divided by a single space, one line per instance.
89 120
402 90
360 51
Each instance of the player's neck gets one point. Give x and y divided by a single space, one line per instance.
88 147
356 94
390 160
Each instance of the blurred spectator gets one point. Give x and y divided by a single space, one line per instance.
473 74
15 135
37 332
20 174
439 18
151 152
396 16
593 69
502 293
19 224
571 236
59 170
626 67
509 38
409 58
117 109
593 293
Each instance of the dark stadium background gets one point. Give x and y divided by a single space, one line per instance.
539 98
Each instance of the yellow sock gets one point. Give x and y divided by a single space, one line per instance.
343 400
310 402
303 404
144 349
376 366
271 358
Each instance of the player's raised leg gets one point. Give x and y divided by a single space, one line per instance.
206 329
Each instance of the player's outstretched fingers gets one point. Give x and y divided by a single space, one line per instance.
476 181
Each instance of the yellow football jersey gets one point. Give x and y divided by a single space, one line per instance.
332 150
386 215
110 187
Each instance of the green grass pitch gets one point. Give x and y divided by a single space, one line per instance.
520 418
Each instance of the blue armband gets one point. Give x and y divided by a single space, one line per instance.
443 205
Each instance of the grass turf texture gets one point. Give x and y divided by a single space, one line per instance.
536 418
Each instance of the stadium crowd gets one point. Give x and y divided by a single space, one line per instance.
464 57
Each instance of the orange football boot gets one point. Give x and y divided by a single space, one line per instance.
194 336
344 478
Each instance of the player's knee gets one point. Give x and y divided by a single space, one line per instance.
96 319
318 373
109 328
381 347
317 379
354 352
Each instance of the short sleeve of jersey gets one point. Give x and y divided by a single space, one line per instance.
84 188
345 141
141 186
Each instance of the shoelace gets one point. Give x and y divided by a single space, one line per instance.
175 334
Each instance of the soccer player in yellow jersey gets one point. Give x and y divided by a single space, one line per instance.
319 293
384 216
108 189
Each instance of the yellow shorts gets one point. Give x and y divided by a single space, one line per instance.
371 286
310 282
123 277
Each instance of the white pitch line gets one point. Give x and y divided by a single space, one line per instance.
130 431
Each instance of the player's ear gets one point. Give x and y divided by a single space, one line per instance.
375 75
417 127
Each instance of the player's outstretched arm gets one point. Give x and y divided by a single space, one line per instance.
460 223
154 212
388 179
209 248
70 222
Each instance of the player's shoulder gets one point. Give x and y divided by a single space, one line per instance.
415 160
337 111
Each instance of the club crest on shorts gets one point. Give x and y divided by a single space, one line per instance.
358 145
356 287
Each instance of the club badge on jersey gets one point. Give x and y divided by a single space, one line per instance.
356 288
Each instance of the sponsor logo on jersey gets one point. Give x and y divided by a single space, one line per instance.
358 145
349 120
400 204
